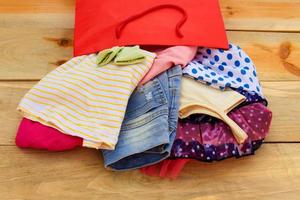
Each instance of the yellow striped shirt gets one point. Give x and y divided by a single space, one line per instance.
81 99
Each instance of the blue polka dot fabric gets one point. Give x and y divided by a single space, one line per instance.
251 97
224 68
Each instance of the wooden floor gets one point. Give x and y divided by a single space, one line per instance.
36 36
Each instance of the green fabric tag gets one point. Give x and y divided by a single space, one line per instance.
130 55
121 56
106 56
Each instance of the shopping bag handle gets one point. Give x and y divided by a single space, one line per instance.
122 25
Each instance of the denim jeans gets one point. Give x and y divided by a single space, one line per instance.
149 127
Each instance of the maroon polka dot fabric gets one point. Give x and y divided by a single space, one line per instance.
213 140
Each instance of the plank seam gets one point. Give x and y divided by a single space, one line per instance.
266 143
264 31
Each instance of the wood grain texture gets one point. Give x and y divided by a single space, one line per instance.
283 99
35 6
263 15
273 173
276 55
36 36
29 54
278 15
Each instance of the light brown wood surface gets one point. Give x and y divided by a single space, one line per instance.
273 173
262 15
276 55
36 36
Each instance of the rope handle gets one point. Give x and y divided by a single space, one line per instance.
120 27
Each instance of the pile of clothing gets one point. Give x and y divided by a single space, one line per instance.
152 109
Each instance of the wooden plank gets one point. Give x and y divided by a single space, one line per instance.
29 54
278 15
283 98
274 54
263 15
34 6
10 95
34 20
273 173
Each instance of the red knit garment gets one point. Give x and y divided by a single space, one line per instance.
166 168
35 135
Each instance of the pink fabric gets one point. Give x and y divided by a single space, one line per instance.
35 135
166 168
176 55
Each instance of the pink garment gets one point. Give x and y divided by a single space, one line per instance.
176 55
166 168
35 135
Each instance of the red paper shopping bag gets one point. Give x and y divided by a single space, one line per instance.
102 24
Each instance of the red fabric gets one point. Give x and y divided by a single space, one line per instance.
166 168
147 22
38 136
124 23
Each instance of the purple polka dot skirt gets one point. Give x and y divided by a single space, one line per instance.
211 139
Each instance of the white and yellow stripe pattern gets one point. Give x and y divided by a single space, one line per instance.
80 99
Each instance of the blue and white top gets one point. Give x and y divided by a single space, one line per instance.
224 68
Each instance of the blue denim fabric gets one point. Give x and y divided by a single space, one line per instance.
149 127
